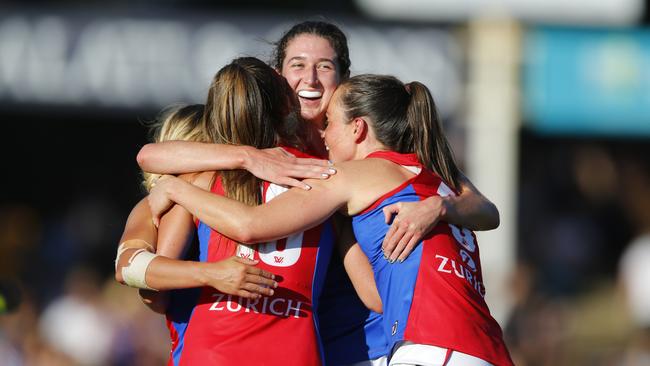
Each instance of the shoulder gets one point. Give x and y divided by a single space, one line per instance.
347 173
141 208
367 180
297 153
358 170
202 180
359 182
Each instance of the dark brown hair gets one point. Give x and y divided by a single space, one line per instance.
329 31
404 118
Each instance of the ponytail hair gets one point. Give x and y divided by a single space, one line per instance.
429 140
404 119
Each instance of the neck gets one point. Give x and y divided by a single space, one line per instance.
367 147
315 140
318 124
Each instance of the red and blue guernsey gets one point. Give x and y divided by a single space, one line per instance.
350 332
278 330
436 296
179 309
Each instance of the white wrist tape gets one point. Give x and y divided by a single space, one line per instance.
134 274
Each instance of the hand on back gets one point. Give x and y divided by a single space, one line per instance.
278 166
159 202
240 277
411 221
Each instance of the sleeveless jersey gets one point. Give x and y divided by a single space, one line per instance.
277 330
350 332
179 309
436 296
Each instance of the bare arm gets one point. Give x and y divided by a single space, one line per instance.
249 224
176 229
139 225
411 221
235 276
139 233
273 165
176 157
471 209
175 235
171 240
357 265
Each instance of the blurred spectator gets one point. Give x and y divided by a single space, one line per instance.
635 276
84 232
634 272
20 235
76 325
141 337
535 333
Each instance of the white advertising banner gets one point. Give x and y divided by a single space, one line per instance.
552 11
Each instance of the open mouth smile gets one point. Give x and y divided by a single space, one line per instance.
310 94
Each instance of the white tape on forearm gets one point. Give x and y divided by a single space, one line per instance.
120 250
134 274
131 244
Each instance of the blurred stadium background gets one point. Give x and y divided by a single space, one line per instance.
547 103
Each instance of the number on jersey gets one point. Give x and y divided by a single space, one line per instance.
463 236
283 252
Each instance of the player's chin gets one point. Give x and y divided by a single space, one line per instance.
311 114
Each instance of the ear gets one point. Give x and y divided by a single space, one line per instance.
360 129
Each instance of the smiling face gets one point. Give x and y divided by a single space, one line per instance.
311 70
339 136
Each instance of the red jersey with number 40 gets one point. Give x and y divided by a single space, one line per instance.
278 330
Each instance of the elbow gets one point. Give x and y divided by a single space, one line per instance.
487 220
244 224
375 305
371 299
495 219
154 300
244 237
144 157
244 231
118 274
250 227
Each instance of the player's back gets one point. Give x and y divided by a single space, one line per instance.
276 330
